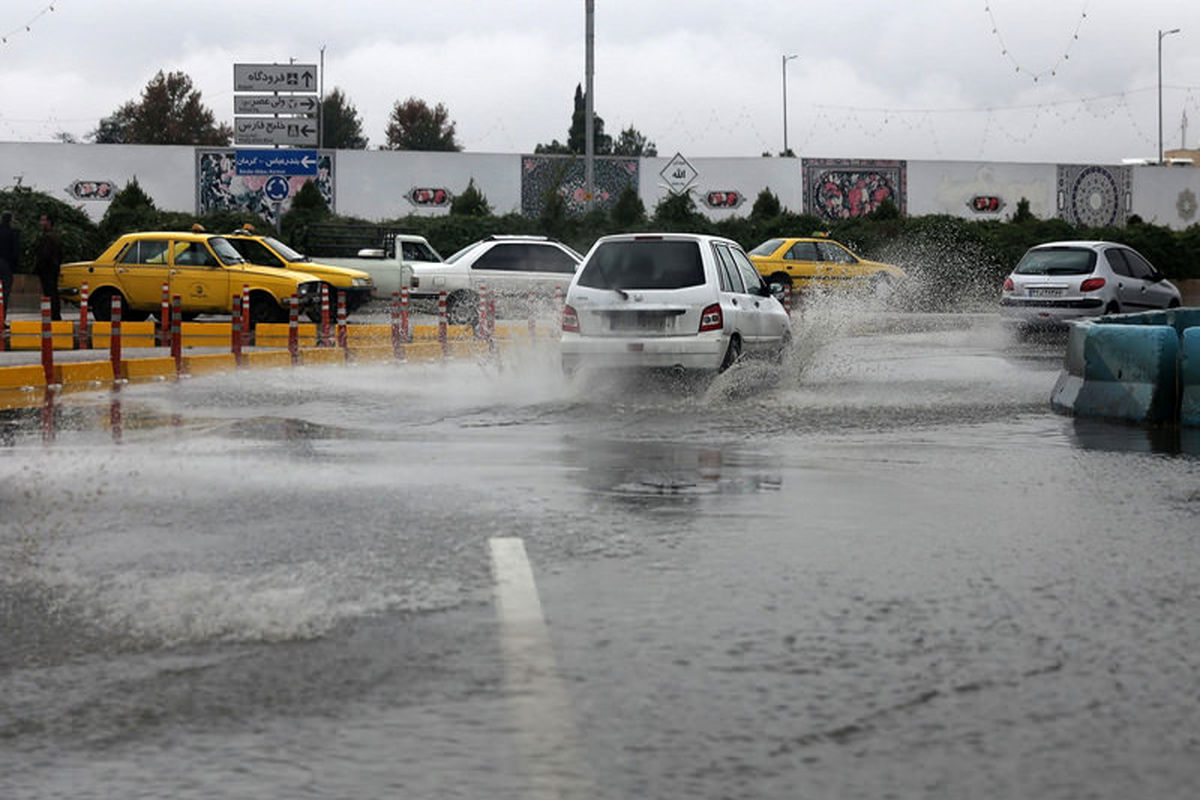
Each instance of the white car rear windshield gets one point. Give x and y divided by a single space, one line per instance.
1057 261
644 264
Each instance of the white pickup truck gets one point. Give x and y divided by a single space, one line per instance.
394 266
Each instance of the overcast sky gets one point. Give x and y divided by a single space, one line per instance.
919 79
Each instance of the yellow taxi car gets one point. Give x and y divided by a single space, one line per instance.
816 262
267 251
204 269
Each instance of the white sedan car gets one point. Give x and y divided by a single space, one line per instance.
1057 282
669 300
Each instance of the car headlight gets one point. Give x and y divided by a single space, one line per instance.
361 282
307 288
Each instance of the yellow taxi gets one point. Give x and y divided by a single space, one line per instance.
816 262
204 269
357 285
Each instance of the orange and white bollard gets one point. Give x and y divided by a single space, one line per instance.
235 336
3 322
114 339
83 337
47 344
294 329
324 340
177 333
343 337
405 330
245 315
397 348
443 330
164 316
532 314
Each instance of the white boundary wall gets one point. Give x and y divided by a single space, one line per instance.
374 184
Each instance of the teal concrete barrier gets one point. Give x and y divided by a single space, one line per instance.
1121 370
1189 378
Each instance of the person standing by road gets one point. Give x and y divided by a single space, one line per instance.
9 254
47 259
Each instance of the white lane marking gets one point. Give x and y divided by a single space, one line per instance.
545 725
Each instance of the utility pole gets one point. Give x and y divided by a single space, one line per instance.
589 147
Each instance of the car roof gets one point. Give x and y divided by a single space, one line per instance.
1090 244
652 236
187 236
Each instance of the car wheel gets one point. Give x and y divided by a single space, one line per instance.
263 308
100 304
881 284
462 308
732 354
1173 304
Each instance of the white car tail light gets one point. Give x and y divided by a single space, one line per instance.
570 320
711 318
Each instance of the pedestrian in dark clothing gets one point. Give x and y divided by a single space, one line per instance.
47 259
9 255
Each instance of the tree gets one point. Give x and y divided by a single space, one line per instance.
341 128
169 112
631 142
470 203
308 206
413 125
766 206
131 209
577 134
629 209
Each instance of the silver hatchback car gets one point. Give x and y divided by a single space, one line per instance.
1058 282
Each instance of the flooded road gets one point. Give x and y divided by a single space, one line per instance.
886 570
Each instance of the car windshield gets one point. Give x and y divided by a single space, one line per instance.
644 264
766 248
283 250
225 251
1057 261
418 251
462 252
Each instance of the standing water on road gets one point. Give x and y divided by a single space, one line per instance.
886 569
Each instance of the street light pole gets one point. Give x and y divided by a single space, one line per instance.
785 138
589 148
1161 35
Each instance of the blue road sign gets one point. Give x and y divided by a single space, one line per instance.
276 162
276 188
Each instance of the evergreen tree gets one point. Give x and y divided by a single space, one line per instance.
341 128
413 125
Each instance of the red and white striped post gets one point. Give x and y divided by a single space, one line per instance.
481 325
3 322
245 314
397 349
532 314
405 331
491 295
83 337
343 336
165 316
560 303
235 336
114 339
787 298
324 340
294 328
47 344
177 333
443 331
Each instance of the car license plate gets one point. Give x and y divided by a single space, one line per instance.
641 322
1042 291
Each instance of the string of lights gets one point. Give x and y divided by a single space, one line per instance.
1007 52
28 26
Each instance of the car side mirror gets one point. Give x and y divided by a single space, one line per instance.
771 290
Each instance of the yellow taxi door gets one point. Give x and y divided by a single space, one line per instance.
201 282
141 270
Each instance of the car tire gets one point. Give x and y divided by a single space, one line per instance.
100 304
880 285
462 308
732 354
1173 304
263 308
